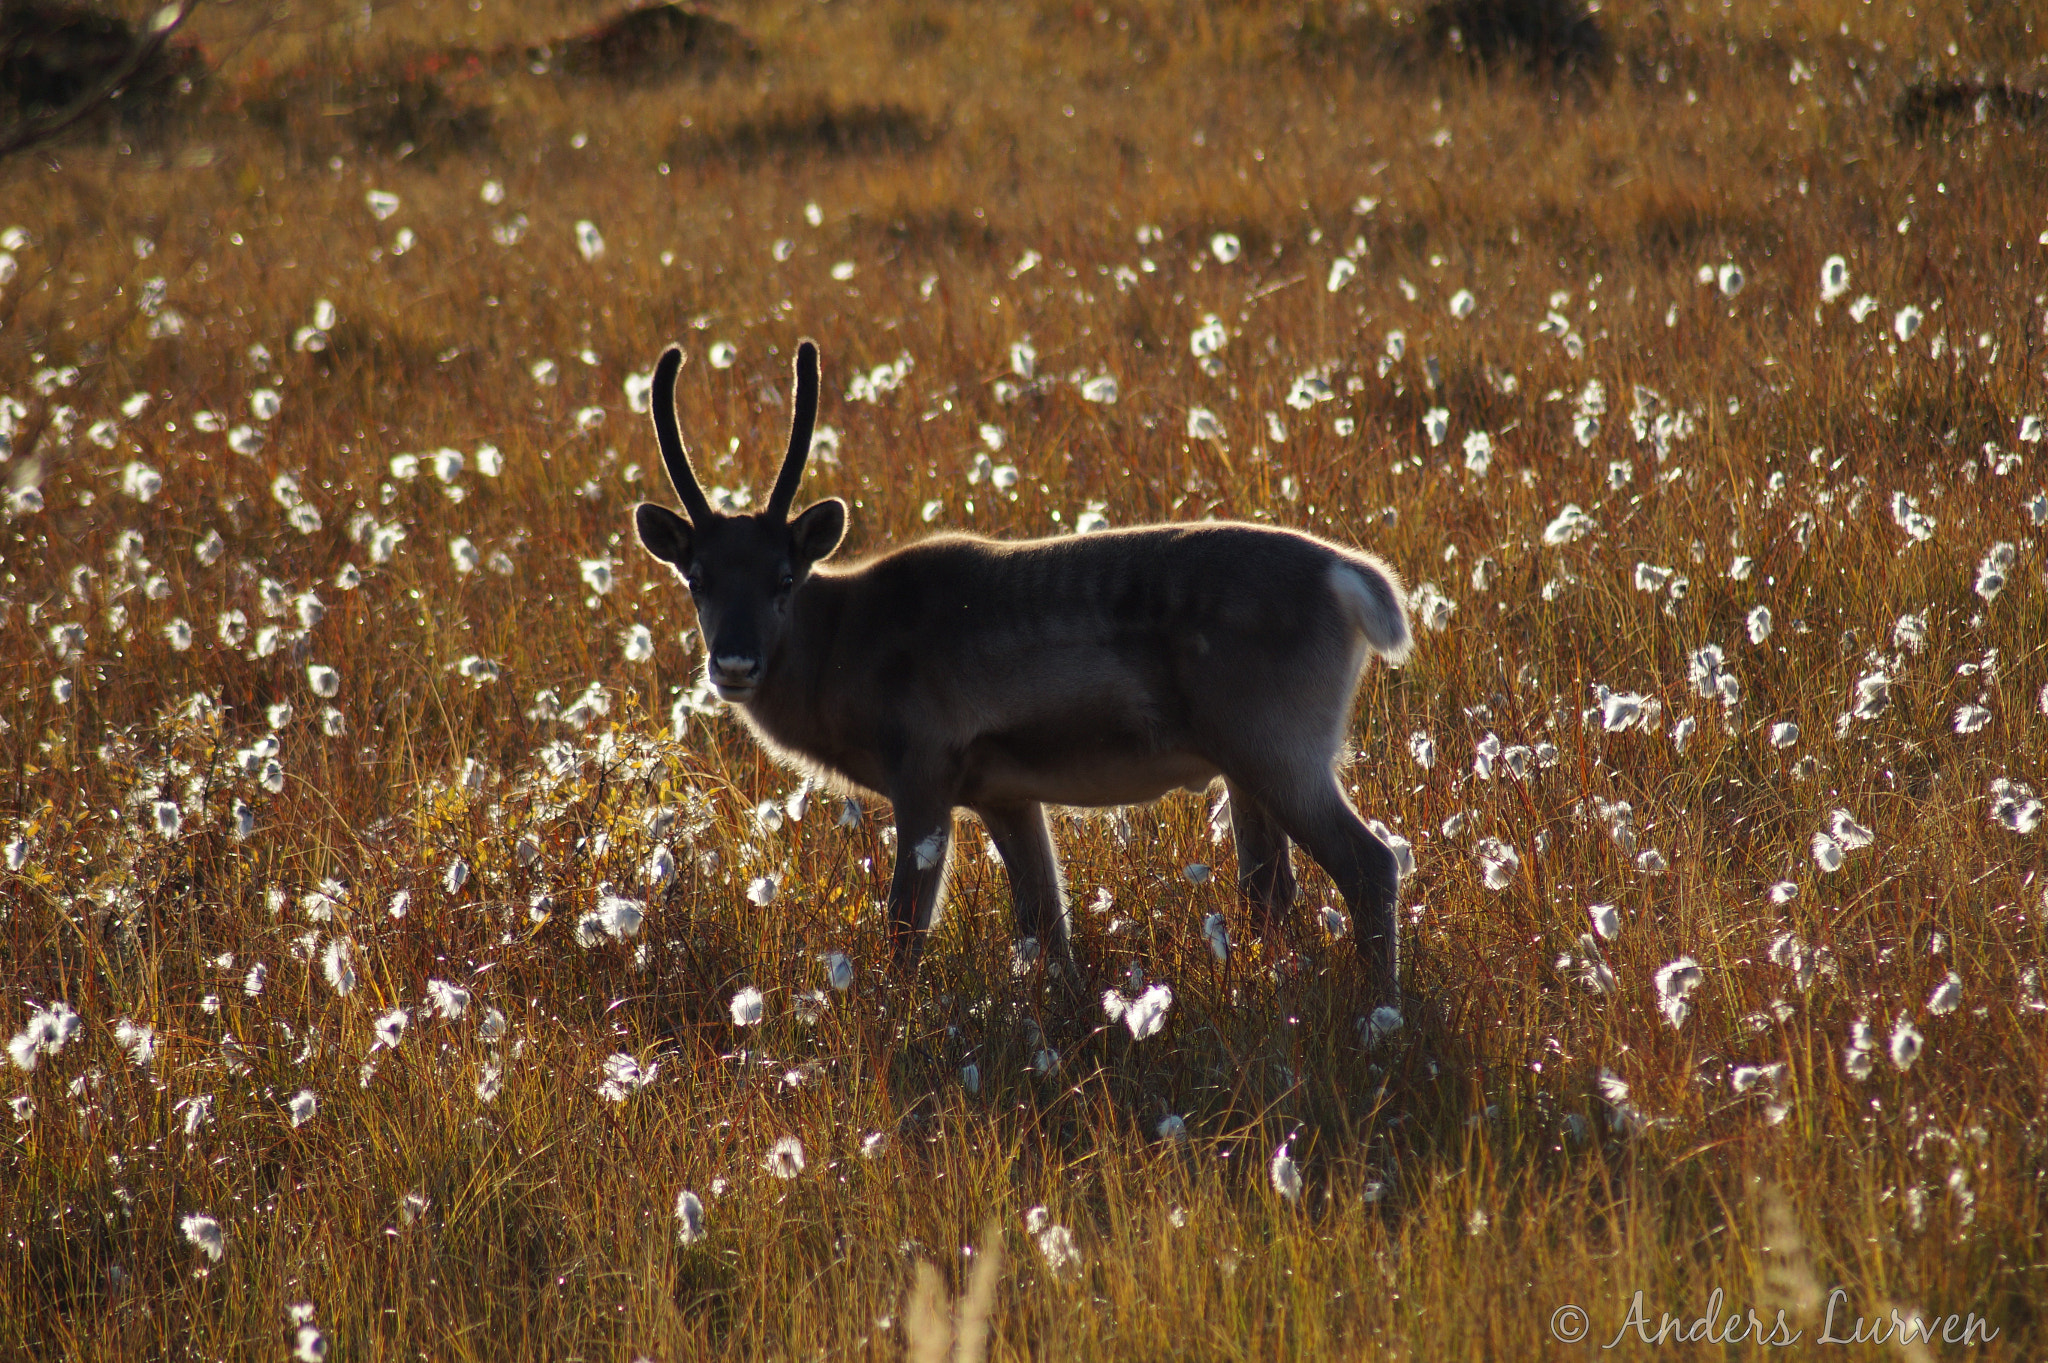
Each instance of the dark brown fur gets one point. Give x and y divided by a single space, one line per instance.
1086 670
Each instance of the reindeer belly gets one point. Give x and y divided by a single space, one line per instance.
1091 767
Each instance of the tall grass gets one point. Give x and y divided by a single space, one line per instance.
928 188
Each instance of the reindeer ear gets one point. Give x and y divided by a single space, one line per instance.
665 535
817 532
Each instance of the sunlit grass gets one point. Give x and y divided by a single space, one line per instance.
381 889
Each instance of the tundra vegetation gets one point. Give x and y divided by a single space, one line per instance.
402 950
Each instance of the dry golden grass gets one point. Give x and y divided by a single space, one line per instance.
1461 1181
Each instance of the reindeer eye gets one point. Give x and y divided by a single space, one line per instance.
788 581
694 581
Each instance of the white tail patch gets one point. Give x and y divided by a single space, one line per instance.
1371 595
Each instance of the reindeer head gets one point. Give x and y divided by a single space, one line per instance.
742 570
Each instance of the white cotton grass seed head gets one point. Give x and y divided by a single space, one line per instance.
205 1233
1499 864
1784 892
1906 1044
1759 624
303 1106
1383 1022
1947 996
450 1001
1995 569
1144 1015
1217 933
838 970
1147 1012
624 1076
390 1028
136 1040
689 1218
661 865
1834 278
1606 920
336 965
1853 836
1285 1174
1478 459
1859 1055
1620 710
1827 853
1572 523
47 1033
1749 1078
2015 807
620 917
785 1158
747 1007
325 681
1207 338
1784 734
1057 1246
1675 985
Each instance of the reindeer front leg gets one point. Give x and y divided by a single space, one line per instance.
924 840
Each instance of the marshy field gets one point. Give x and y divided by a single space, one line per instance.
403 954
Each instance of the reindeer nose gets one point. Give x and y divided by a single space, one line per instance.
735 670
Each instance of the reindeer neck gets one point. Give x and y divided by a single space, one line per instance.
793 707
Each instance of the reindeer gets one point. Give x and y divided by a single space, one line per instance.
1088 670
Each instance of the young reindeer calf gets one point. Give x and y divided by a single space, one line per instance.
1093 670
